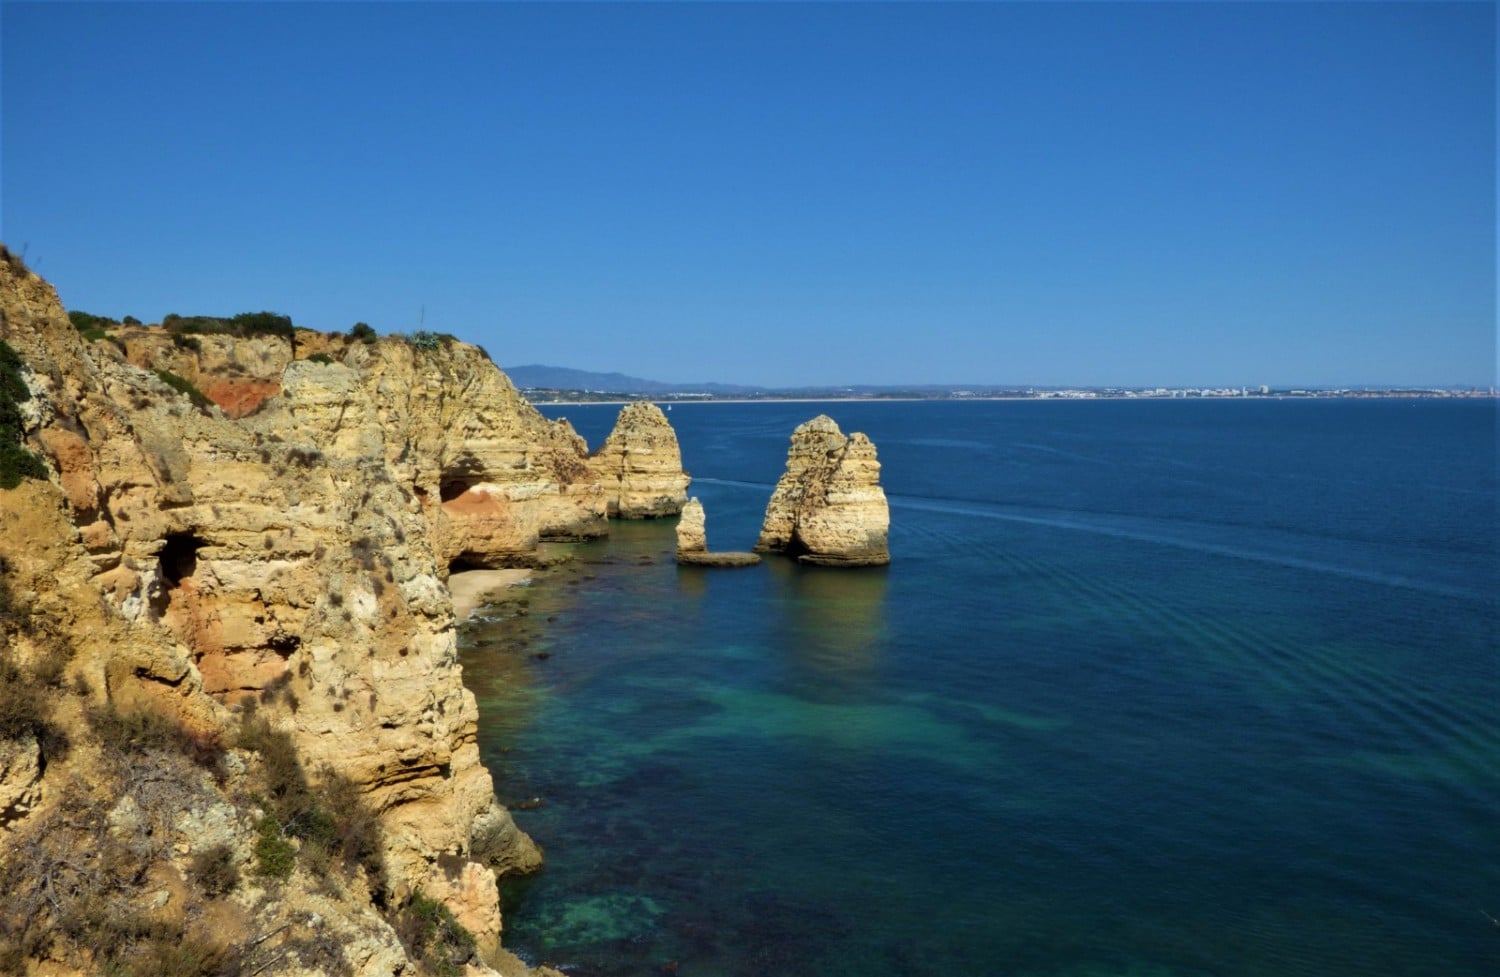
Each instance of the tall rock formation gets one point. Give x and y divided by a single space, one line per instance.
828 507
640 465
188 567
692 529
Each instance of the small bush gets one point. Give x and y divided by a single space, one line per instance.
83 321
282 770
23 704
16 462
332 821
362 332
274 855
431 935
264 323
323 358
213 870
131 320
184 341
144 731
185 387
52 670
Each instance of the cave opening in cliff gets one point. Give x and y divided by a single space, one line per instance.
466 561
452 488
178 561
179 558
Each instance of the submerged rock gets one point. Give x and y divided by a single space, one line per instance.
640 465
828 508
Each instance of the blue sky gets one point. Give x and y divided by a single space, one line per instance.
1050 193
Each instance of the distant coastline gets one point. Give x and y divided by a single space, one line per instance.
550 396
564 385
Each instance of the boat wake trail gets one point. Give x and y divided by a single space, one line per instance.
1264 545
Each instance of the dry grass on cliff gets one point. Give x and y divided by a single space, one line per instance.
79 877
148 857
100 879
138 860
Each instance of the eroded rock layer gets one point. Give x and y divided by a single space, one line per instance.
828 507
293 561
640 465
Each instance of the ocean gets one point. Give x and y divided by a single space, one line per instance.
1149 689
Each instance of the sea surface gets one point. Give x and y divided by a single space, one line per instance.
1150 688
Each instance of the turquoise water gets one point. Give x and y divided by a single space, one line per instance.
1149 689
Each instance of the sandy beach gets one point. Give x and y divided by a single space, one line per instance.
471 588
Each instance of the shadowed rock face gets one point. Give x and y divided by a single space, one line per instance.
828 507
640 465
295 557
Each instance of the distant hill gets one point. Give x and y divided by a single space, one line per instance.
562 378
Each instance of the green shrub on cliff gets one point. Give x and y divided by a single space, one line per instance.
244 324
362 332
16 462
84 321
432 936
274 855
185 387
331 819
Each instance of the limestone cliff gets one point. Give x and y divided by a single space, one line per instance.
828 507
640 465
277 579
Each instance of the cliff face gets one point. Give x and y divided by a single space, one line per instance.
640 465
828 507
192 566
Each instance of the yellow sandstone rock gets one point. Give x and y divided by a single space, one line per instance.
640 465
828 507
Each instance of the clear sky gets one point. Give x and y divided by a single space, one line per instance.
1049 193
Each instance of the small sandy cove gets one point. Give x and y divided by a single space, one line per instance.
471 588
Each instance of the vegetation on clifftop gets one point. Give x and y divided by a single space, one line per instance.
244 324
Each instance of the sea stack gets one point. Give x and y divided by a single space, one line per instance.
828 508
692 542
640 465
692 529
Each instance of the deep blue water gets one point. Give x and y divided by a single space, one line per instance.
1149 689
